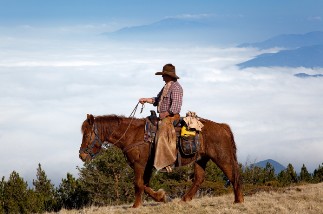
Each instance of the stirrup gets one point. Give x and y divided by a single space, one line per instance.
169 169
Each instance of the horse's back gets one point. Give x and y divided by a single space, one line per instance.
217 137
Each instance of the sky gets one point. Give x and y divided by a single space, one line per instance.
55 67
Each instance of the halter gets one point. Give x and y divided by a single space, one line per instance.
96 141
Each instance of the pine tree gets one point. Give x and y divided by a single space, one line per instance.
253 175
269 173
45 191
291 173
287 176
108 178
71 194
15 195
2 183
305 175
318 174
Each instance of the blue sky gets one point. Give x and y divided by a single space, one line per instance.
56 66
273 14
249 20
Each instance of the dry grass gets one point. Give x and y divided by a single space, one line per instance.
299 199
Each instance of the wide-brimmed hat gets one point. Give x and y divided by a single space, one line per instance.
169 70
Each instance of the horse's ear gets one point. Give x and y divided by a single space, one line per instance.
90 119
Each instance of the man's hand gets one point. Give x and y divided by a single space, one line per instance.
142 100
146 100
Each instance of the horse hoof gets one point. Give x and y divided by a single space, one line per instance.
135 205
186 199
161 196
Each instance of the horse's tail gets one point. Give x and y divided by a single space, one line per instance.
236 171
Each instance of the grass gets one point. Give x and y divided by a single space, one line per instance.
298 199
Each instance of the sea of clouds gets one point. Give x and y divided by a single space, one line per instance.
49 84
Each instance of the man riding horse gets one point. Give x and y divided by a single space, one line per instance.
217 143
169 103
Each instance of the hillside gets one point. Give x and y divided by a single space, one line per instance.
299 50
298 199
309 57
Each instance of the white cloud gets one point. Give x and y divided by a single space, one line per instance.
193 16
47 91
315 18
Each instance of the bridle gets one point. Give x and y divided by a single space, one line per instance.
97 142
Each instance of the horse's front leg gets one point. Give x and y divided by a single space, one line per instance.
160 195
139 185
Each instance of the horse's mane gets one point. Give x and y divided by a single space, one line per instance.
112 120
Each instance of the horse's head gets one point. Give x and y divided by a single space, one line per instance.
91 142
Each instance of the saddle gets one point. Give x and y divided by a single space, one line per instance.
187 140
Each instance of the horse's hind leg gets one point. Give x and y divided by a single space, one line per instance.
199 175
231 171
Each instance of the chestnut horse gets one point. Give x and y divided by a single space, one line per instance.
127 133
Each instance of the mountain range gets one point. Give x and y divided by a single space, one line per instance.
168 30
191 29
308 57
289 41
304 75
304 50
297 50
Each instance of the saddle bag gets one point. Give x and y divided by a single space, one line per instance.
188 141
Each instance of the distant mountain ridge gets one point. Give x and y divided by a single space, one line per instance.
210 29
277 166
289 41
168 29
304 50
309 57
304 75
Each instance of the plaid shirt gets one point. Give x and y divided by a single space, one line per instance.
172 102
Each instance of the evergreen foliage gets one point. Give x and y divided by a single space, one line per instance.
45 191
2 183
255 175
269 173
287 176
108 179
71 194
15 195
318 174
304 175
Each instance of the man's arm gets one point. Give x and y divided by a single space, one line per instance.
146 100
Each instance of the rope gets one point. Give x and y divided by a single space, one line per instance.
132 115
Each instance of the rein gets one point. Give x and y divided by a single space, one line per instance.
132 115
97 142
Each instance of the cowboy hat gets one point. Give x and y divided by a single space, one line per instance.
169 70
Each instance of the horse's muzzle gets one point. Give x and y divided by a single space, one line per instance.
85 157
